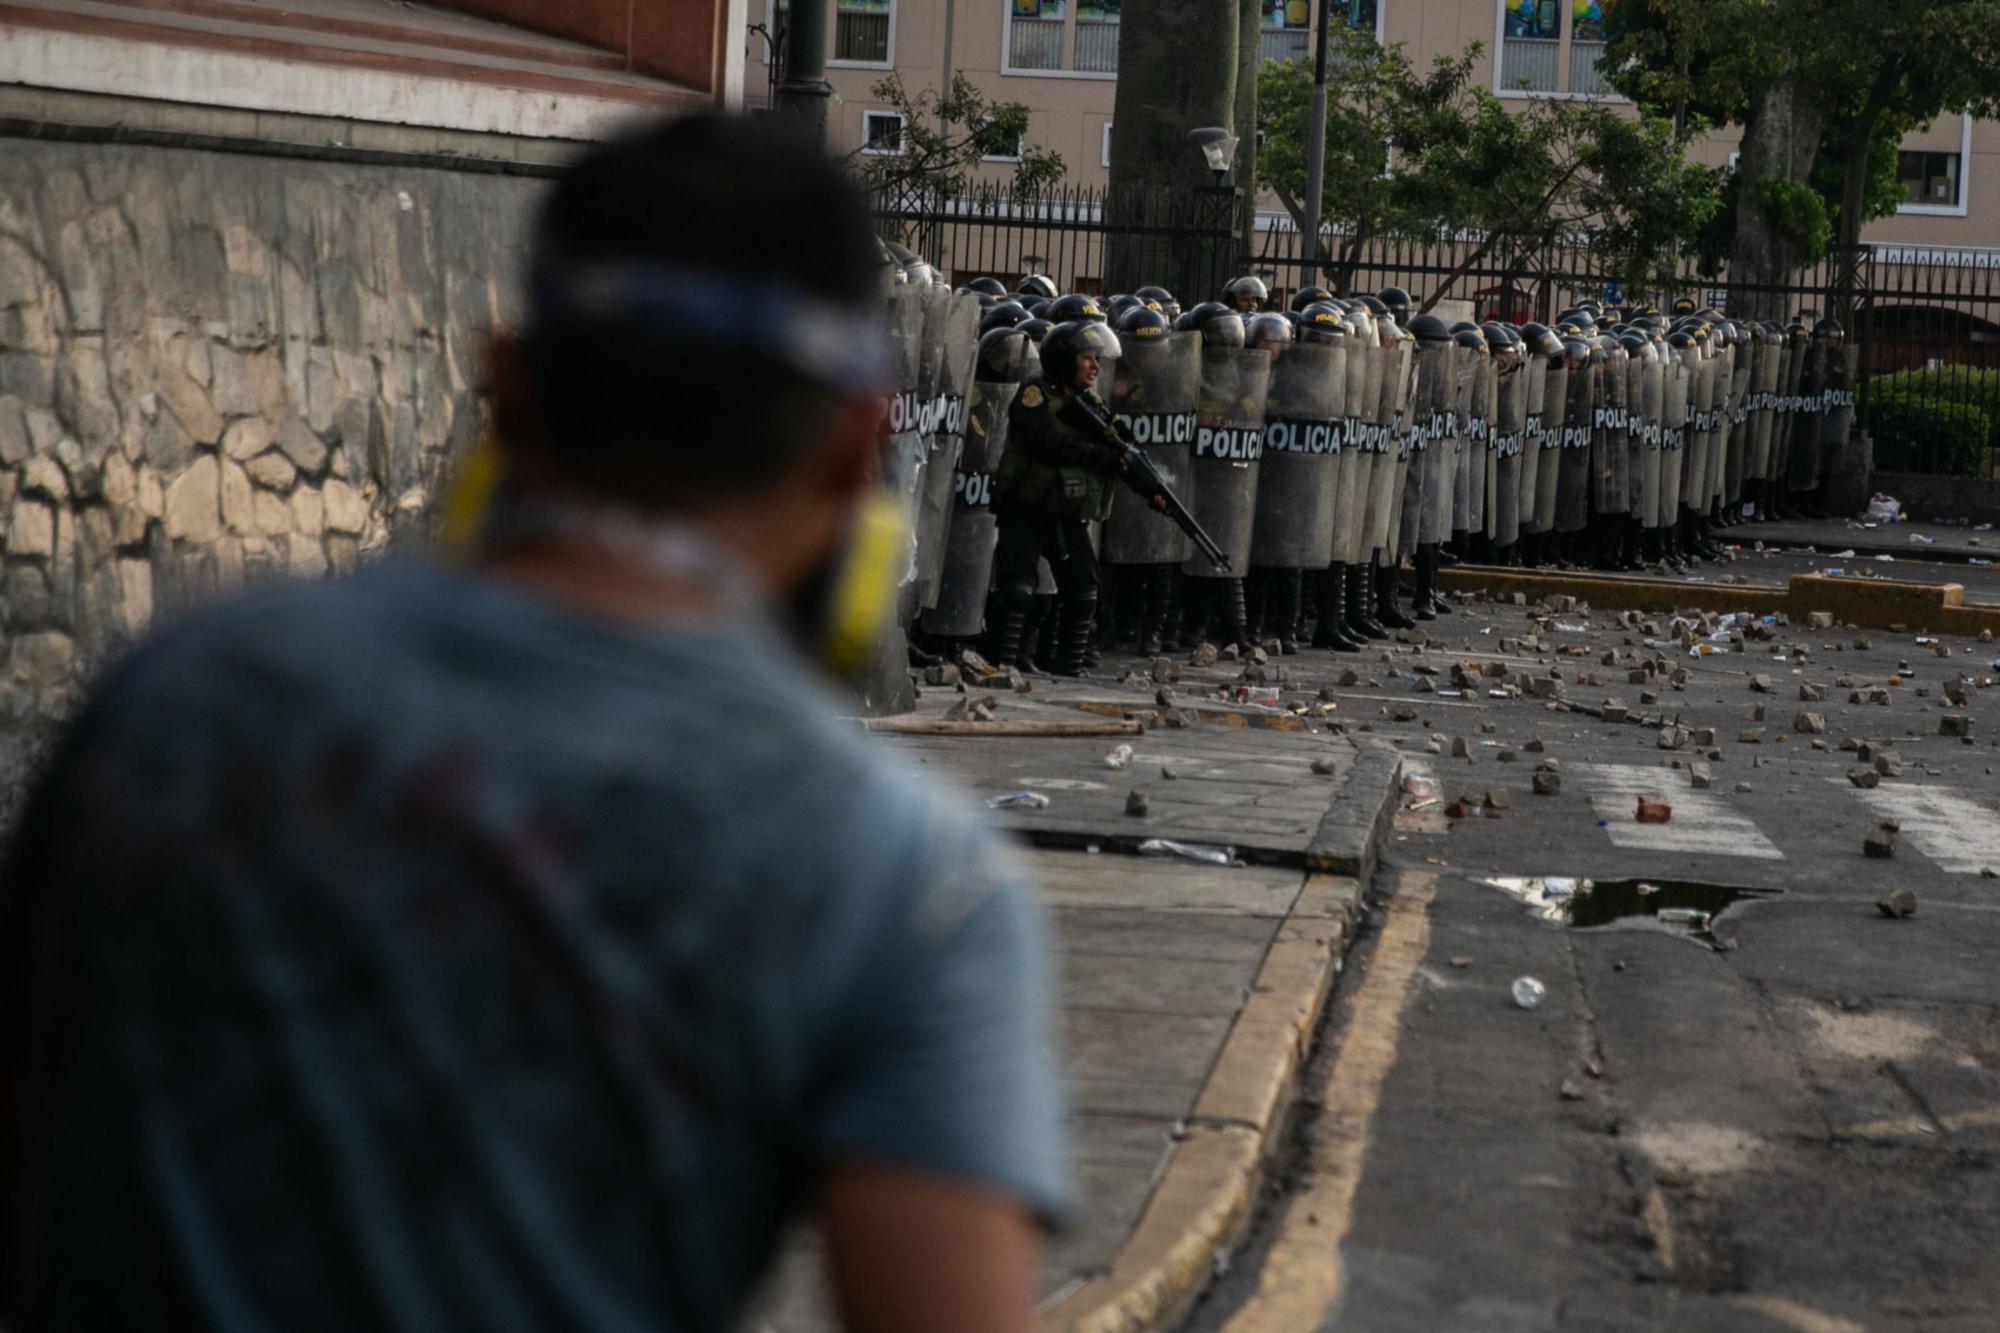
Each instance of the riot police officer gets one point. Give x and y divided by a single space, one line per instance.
1053 481
1246 295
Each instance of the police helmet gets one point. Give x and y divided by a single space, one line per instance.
1075 308
1680 339
919 273
1321 322
1306 296
1470 337
1375 306
1268 330
990 286
1500 335
1142 324
1636 347
1462 325
1036 284
1576 351
1064 343
1218 325
1036 328
1429 329
1397 302
1828 329
1119 304
1006 356
1246 288
1683 305
1038 306
1002 315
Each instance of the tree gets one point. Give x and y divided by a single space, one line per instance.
1504 185
1182 65
946 136
1822 89
1377 99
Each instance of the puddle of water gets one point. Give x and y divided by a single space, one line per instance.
1674 907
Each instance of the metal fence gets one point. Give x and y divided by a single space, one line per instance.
1925 321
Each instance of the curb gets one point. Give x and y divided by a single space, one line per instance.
1872 603
1206 1193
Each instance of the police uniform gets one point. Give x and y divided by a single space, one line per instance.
1054 480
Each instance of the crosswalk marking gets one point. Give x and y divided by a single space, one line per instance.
1950 828
1702 823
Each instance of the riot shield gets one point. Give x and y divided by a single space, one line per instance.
951 339
1769 376
1573 479
1700 432
1475 429
1673 440
960 608
1535 373
1392 464
1432 470
1228 445
1503 517
1739 423
1785 424
1611 459
1555 416
1302 447
1155 386
1363 457
1646 491
1841 364
1804 472
906 453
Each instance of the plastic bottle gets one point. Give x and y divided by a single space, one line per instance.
1528 992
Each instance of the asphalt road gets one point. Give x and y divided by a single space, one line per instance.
1792 1122
1775 565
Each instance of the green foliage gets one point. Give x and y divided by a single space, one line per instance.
1796 209
1464 163
1914 391
947 135
1927 434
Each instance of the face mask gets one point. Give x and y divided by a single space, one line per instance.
835 616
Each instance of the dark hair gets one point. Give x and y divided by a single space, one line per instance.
664 414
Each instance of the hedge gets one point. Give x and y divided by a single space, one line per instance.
1919 432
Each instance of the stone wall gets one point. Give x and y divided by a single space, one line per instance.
216 367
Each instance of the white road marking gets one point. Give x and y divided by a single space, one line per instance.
1701 822
1952 829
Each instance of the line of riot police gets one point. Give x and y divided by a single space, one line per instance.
1320 448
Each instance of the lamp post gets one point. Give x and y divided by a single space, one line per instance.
803 91
1220 200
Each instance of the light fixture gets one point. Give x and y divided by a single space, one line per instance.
1218 146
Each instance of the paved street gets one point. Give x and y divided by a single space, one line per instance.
1791 1122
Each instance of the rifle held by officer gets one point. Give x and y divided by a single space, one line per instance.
1142 476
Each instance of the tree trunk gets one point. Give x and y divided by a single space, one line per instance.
1780 138
1177 71
1249 57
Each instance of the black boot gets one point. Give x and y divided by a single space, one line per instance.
1039 617
1079 620
1360 595
1630 560
1425 562
1012 627
1438 605
1229 605
1332 631
1386 609
1281 608
1153 623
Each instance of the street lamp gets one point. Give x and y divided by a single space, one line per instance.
1218 146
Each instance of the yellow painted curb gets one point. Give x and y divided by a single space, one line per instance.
1872 603
1204 1196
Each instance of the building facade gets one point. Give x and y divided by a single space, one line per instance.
1060 59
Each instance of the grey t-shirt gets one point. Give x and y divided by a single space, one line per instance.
404 953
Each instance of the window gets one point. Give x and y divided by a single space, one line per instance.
1096 49
881 132
1929 179
1061 39
1013 155
1287 29
1533 48
1533 31
861 31
1104 158
1034 34
864 31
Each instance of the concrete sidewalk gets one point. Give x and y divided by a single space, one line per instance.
1906 541
1188 991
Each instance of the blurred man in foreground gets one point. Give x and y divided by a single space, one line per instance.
521 949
